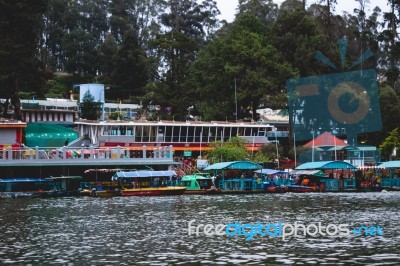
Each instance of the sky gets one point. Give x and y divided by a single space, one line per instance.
228 7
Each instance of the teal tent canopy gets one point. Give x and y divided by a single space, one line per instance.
238 165
325 165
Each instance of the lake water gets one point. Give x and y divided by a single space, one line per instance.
154 230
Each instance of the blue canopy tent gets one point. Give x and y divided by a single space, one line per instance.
331 165
325 165
235 165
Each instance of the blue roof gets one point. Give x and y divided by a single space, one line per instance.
271 172
22 180
134 174
240 165
390 164
325 165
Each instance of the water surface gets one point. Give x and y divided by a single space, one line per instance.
154 230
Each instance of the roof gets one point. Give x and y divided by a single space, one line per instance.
22 180
271 172
325 139
240 165
134 174
325 165
309 172
196 177
390 164
64 177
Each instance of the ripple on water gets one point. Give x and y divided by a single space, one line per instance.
153 231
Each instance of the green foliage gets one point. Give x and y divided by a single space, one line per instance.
117 115
130 72
20 68
233 150
391 143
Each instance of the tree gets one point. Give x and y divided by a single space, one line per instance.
130 73
233 150
390 42
187 25
88 107
244 54
265 10
20 68
390 144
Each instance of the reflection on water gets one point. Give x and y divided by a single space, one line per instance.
138 230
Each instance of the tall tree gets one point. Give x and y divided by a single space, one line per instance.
20 68
244 54
187 25
266 10
130 73
390 42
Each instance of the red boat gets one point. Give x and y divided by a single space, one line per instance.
299 189
153 191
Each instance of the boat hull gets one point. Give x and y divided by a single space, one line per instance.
299 189
203 192
154 191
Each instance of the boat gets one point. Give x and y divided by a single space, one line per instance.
101 189
148 183
299 189
199 183
26 187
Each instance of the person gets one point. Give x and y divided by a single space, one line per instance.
217 180
66 142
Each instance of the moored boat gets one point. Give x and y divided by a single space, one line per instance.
26 187
199 183
149 183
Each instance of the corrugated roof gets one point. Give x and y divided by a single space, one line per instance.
325 165
133 174
241 165
271 172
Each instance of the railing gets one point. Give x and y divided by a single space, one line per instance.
83 153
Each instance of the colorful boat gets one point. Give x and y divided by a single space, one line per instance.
199 183
148 183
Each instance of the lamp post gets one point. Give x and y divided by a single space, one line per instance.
277 150
312 151
334 132
294 148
